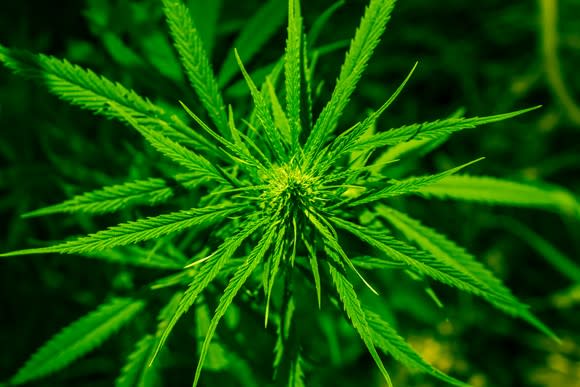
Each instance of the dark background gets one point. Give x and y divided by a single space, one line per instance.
487 57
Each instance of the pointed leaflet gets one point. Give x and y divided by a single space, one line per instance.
280 119
314 266
206 274
273 136
330 238
448 252
491 190
240 155
354 310
234 286
387 339
114 197
348 139
176 152
79 338
93 92
195 61
361 48
432 130
274 266
409 185
416 147
445 250
137 231
292 68
429 265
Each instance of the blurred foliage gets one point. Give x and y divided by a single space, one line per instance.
487 57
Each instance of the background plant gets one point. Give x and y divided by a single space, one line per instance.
83 153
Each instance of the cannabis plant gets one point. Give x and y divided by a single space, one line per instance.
289 208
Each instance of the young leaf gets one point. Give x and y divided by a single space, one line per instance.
189 45
361 49
234 286
348 139
79 338
137 231
409 185
354 310
387 339
491 190
292 68
432 130
273 136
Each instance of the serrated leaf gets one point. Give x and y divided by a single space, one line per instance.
90 91
195 61
273 136
79 338
208 271
136 231
406 186
354 310
135 372
366 38
347 140
274 266
491 190
111 198
427 264
432 130
234 286
292 68
176 152
387 339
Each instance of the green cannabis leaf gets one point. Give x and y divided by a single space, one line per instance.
274 194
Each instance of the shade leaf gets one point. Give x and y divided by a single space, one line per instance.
189 45
111 198
491 190
137 231
79 338
354 310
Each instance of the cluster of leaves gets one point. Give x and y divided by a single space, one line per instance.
275 194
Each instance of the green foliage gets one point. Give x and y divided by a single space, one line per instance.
78 338
274 194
